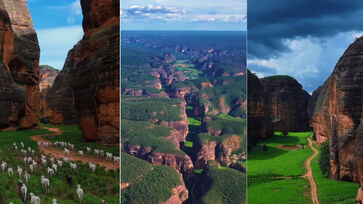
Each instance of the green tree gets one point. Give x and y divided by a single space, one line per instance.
324 158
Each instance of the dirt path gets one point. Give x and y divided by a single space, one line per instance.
73 156
309 174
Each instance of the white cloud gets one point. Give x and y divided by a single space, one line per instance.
76 8
56 42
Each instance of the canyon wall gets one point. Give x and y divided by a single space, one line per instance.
19 67
338 116
59 107
259 125
96 71
288 103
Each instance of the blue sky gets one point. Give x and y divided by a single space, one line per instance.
301 38
183 15
58 24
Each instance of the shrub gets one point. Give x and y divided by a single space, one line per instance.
324 158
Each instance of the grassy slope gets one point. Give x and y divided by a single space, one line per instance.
149 183
100 185
331 191
224 189
280 164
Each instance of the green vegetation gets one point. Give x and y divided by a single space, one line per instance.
294 190
147 134
228 126
146 109
278 168
331 191
148 183
228 186
230 118
279 161
98 185
188 144
324 158
188 69
198 171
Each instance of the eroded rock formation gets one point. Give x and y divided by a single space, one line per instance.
288 103
96 72
19 67
47 77
338 116
59 107
259 125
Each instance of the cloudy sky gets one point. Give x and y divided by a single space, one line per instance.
59 28
183 14
301 38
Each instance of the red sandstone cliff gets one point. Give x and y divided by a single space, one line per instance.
19 67
338 116
259 124
59 107
96 72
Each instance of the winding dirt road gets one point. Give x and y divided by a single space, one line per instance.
309 174
73 156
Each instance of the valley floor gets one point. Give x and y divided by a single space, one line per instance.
278 168
103 184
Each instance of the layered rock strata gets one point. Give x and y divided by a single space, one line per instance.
19 67
338 116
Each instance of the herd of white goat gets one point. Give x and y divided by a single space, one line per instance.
52 165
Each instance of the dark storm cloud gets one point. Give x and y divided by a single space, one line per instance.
270 23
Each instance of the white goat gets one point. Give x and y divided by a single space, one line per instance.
55 167
20 171
23 191
34 199
4 165
50 171
73 166
79 193
10 171
27 177
45 182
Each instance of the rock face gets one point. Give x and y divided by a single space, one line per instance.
47 77
19 67
181 163
338 116
96 72
180 194
288 103
312 102
259 125
59 107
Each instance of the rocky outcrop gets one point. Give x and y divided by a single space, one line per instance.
180 128
47 76
338 116
259 125
181 163
96 72
19 67
59 107
206 153
180 194
288 103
